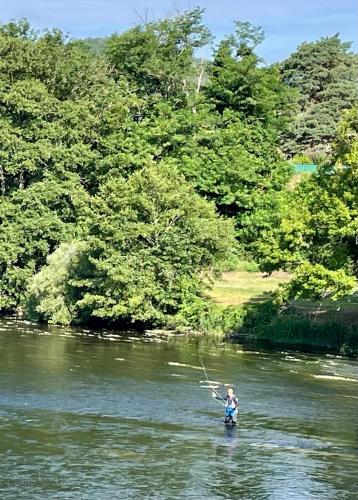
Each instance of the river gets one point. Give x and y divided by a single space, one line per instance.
90 416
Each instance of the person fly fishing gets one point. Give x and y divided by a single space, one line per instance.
231 401
231 405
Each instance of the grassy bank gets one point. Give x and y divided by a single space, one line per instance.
245 296
241 287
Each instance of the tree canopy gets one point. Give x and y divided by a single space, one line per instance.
147 243
157 58
317 229
240 82
325 74
126 173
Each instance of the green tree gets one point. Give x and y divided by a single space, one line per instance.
229 161
238 81
49 294
325 74
158 57
316 232
33 223
60 111
150 241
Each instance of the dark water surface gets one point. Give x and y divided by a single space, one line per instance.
89 418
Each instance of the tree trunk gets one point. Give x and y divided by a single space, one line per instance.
2 181
200 76
199 82
21 180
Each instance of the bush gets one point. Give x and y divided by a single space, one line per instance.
264 322
248 266
301 160
296 329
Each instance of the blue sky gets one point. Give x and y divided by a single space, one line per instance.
286 22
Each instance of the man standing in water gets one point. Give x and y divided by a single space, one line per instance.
231 405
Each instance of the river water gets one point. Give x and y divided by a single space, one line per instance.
85 416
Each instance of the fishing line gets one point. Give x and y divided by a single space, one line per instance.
207 379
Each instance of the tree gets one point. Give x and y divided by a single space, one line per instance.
238 81
60 111
49 294
235 164
33 222
325 74
150 241
316 233
157 58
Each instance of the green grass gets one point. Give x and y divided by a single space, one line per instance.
329 326
239 287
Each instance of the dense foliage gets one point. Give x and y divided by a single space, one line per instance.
147 241
158 57
316 233
126 173
238 81
325 74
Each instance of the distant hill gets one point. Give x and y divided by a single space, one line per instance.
95 45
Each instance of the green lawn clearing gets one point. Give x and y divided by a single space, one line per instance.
238 287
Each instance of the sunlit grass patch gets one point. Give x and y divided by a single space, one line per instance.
238 287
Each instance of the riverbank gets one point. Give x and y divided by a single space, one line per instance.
298 333
329 326
241 310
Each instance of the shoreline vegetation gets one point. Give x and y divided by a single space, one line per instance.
326 326
133 174
243 311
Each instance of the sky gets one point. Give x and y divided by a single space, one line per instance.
287 23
